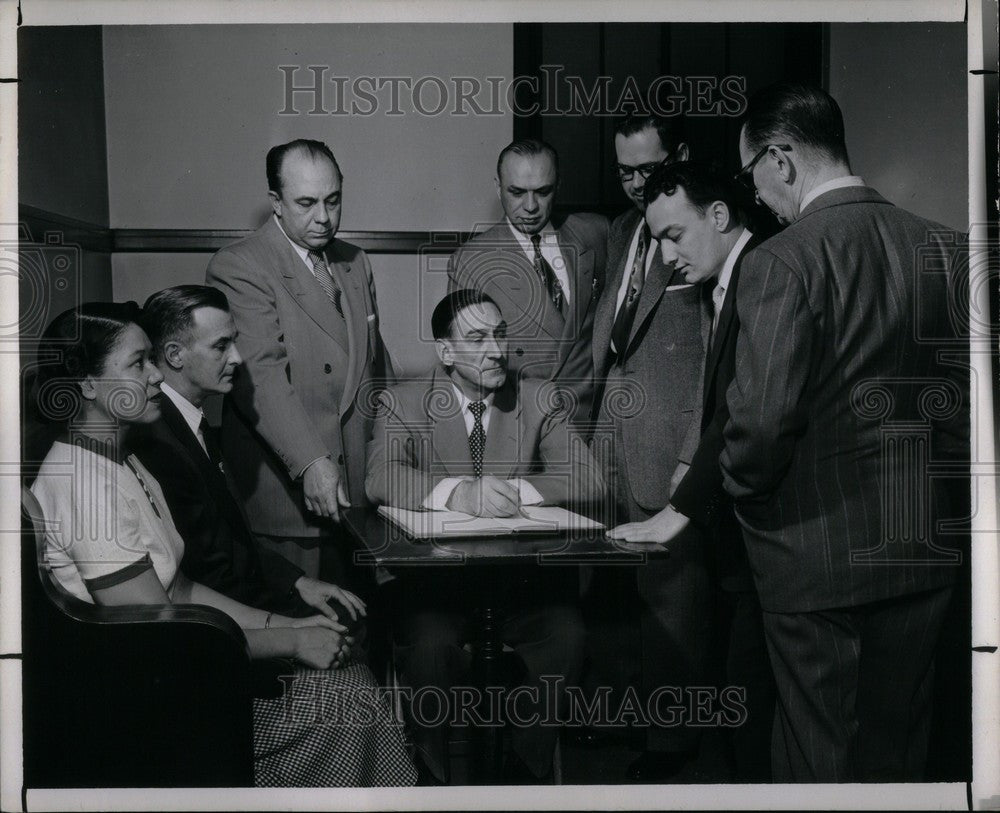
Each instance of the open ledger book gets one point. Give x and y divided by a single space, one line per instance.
534 519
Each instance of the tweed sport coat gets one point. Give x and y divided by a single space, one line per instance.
654 394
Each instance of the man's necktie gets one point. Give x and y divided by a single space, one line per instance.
477 437
718 296
211 444
547 275
636 278
325 279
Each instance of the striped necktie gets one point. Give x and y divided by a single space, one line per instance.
321 271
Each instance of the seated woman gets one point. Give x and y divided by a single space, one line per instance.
111 540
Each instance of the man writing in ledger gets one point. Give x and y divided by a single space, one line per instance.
697 216
471 439
543 271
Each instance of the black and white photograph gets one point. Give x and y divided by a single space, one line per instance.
450 406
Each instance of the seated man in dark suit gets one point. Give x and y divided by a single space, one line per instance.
469 438
193 335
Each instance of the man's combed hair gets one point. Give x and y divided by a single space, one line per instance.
788 111
703 184
276 156
670 129
528 147
448 308
169 314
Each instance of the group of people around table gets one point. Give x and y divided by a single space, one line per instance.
695 386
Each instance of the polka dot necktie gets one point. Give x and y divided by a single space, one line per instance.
477 437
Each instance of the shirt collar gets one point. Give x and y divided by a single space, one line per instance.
302 252
547 233
730 263
836 183
191 414
464 402
88 443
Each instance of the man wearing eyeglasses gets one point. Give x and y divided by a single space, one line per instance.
649 348
544 271
842 402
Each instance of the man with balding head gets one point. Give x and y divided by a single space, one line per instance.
544 271
295 426
841 405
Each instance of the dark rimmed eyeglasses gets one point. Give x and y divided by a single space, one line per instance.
745 175
627 173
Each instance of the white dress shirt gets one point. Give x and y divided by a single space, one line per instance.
302 252
191 414
549 247
836 183
437 500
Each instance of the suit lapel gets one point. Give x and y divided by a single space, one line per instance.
727 319
449 437
604 318
501 453
579 261
301 284
175 423
353 301
521 293
658 278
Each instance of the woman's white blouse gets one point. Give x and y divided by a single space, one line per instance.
102 526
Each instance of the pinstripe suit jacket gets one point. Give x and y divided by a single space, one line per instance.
841 404
284 410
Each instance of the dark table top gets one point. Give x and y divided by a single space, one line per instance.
386 544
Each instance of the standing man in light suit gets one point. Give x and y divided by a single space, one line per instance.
840 401
295 425
649 347
544 272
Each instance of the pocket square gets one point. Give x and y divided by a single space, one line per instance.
679 287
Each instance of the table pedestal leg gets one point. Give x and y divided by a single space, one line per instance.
487 670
